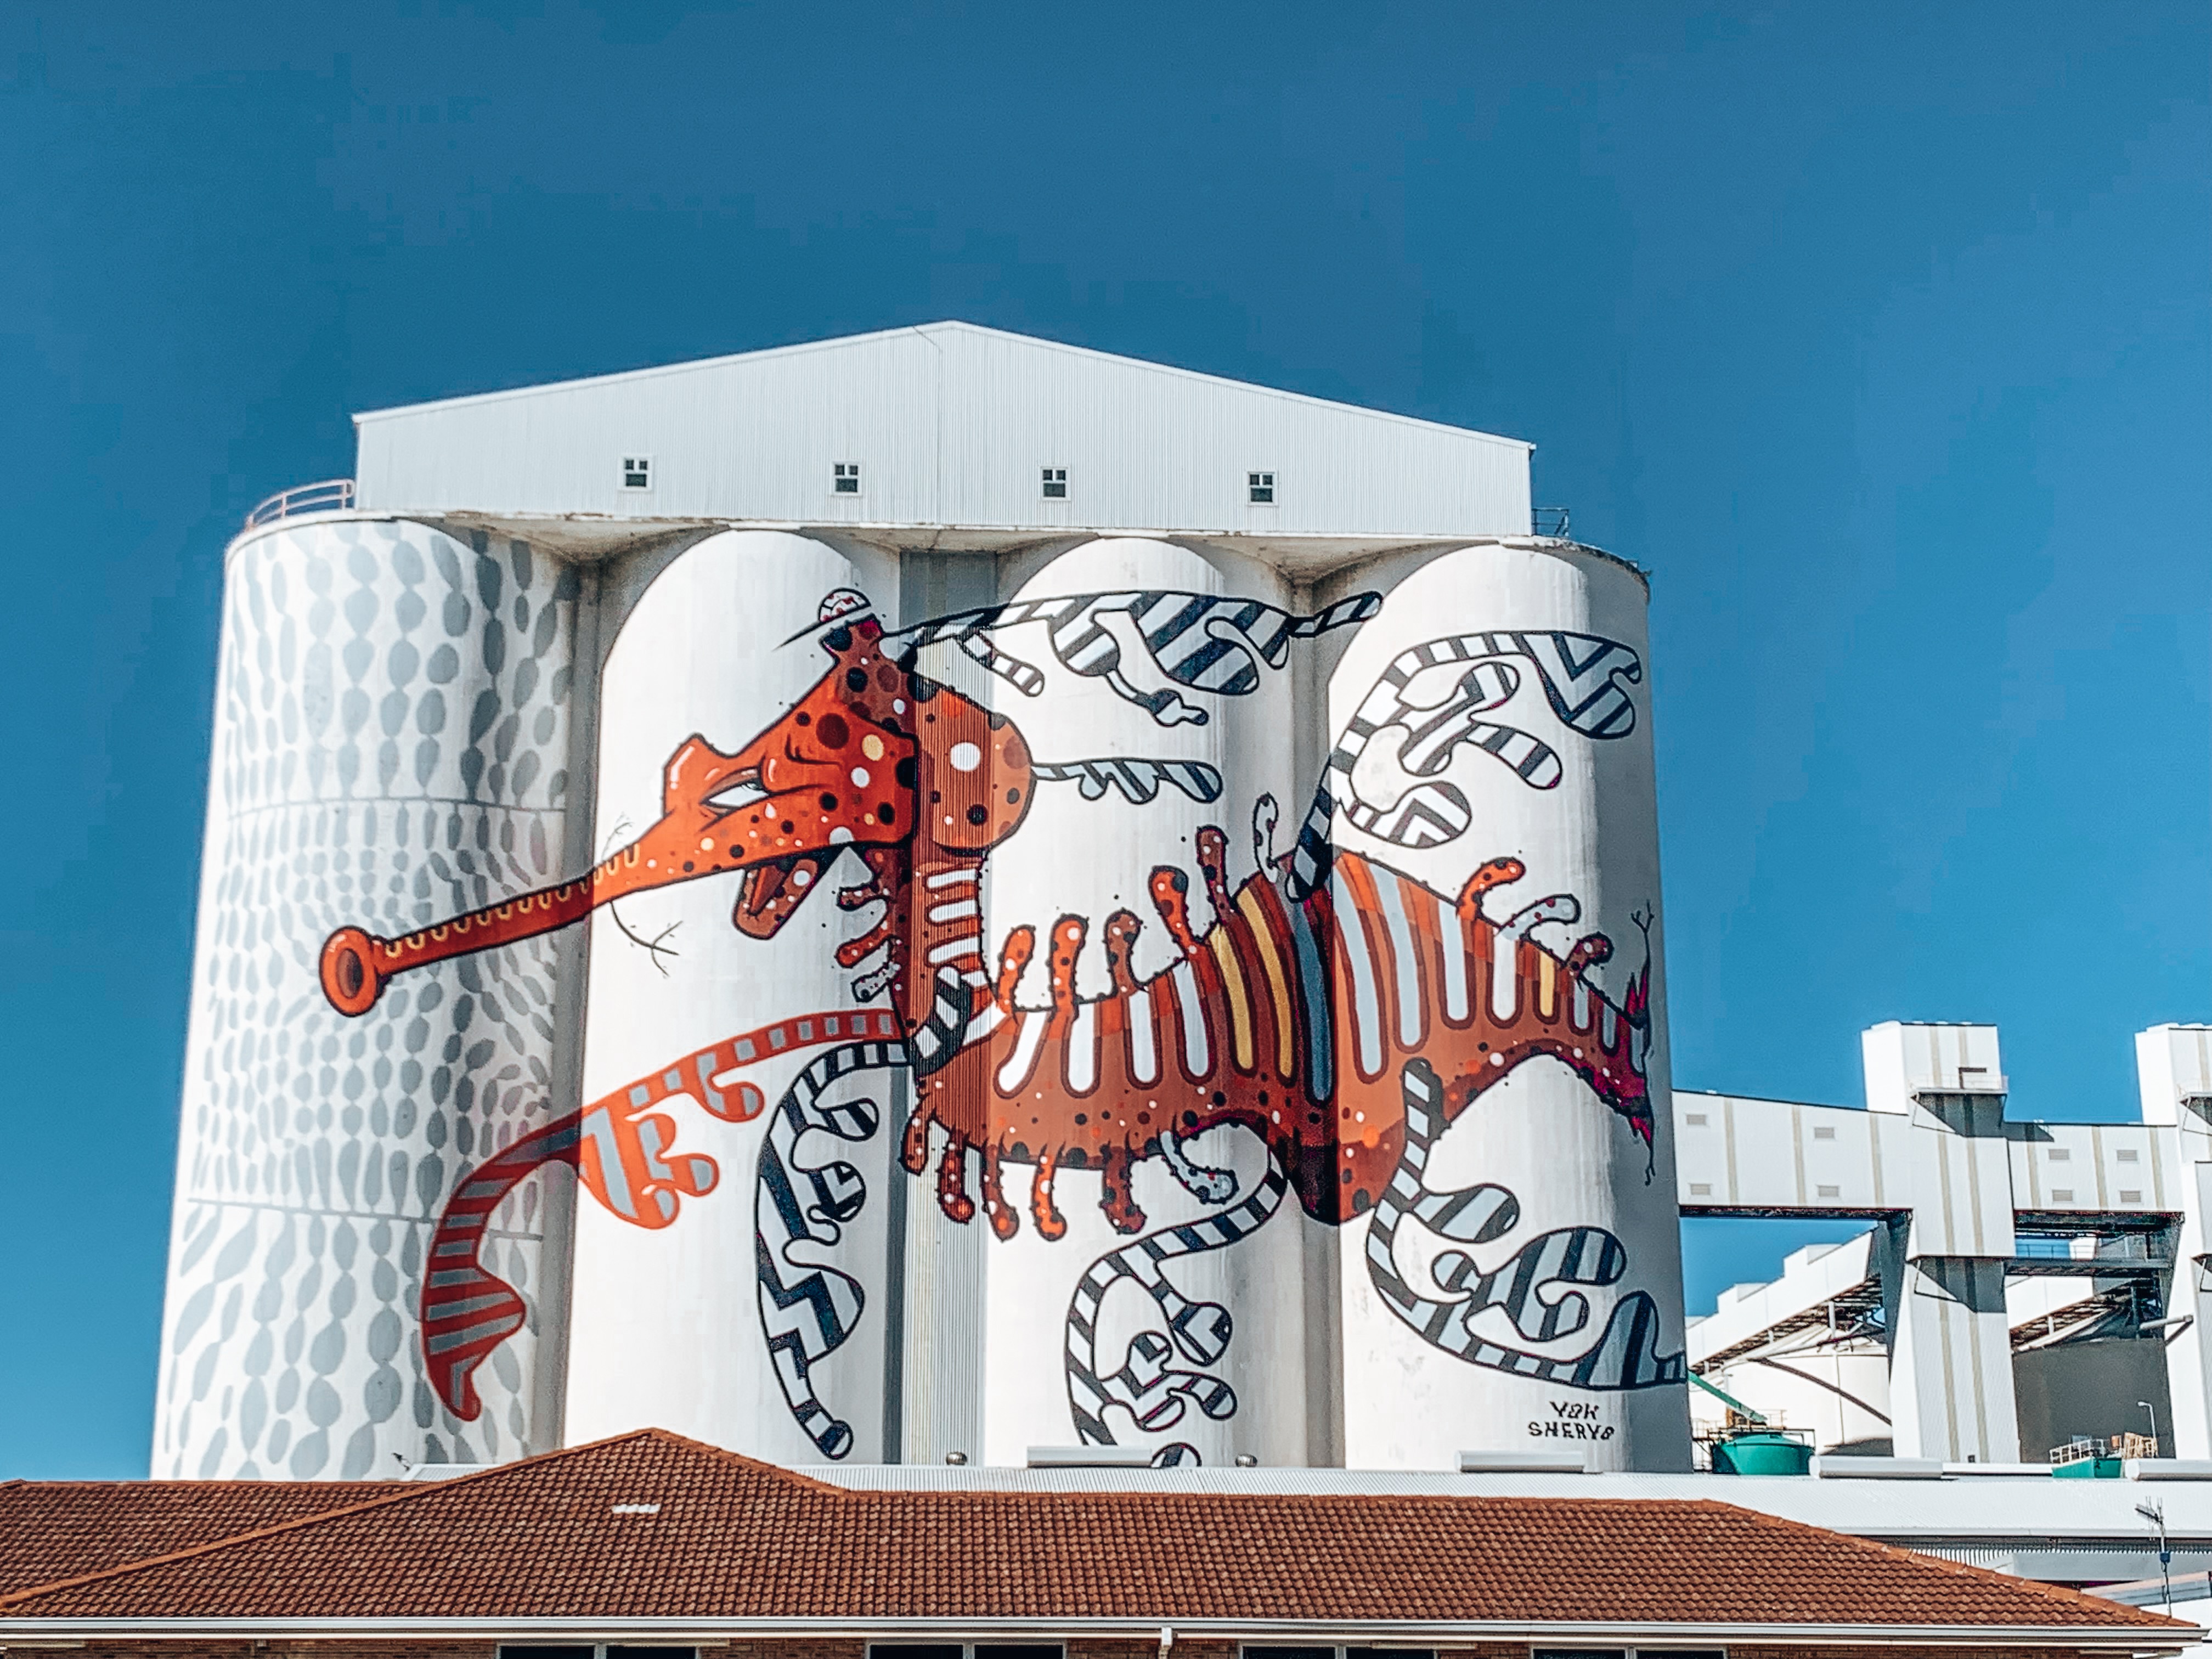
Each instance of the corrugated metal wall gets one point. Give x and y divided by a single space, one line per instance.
950 426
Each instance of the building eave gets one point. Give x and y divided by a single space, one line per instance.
1411 1633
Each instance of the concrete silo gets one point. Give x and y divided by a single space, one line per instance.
1020 943
394 708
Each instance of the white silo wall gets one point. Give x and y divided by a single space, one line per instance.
666 1326
1069 1321
391 746
1458 1335
1175 1184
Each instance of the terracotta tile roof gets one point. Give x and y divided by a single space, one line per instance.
52 1529
734 1538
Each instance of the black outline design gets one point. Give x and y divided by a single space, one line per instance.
1206 641
1583 678
812 1315
1137 778
1146 1384
1626 1354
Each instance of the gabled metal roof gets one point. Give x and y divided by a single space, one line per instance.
950 426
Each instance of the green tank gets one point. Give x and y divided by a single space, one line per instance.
1761 1451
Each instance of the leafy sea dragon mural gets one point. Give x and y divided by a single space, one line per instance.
1340 1011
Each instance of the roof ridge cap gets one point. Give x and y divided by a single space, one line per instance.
409 1490
750 1465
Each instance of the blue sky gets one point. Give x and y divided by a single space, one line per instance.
1879 333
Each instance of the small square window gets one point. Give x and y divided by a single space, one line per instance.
2130 1194
1701 1189
1828 1192
637 472
1055 483
845 478
1261 488
2061 1195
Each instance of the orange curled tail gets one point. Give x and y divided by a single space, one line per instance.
467 1312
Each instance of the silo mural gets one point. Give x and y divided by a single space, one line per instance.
1181 1032
1517 1285
391 747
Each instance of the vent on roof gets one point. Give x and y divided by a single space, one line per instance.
1562 1462
2061 1195
1829 1467
2126 1155
2059 1154
845 478
1055 483
1824 1132
2130 1194
637 472
1828 1192
1259 488
637 1509
1090 1458
1696 1117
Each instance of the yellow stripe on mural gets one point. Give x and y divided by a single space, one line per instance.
1240 1008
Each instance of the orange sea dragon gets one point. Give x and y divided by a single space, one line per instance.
1292 1018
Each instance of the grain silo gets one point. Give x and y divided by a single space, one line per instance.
930 893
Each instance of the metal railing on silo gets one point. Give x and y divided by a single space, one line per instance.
327 496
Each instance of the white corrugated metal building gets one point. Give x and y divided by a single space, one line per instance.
950 427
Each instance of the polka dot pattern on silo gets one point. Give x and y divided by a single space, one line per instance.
391 741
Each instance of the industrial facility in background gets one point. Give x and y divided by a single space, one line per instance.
1231 1031
2028 1291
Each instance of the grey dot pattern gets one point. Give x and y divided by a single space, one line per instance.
391 734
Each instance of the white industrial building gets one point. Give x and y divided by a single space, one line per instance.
1222 788
1235 1034
2024 1284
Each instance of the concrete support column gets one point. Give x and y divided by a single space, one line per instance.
2174 1068
1951 1385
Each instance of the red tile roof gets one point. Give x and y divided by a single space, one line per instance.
734 1540
52 1529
